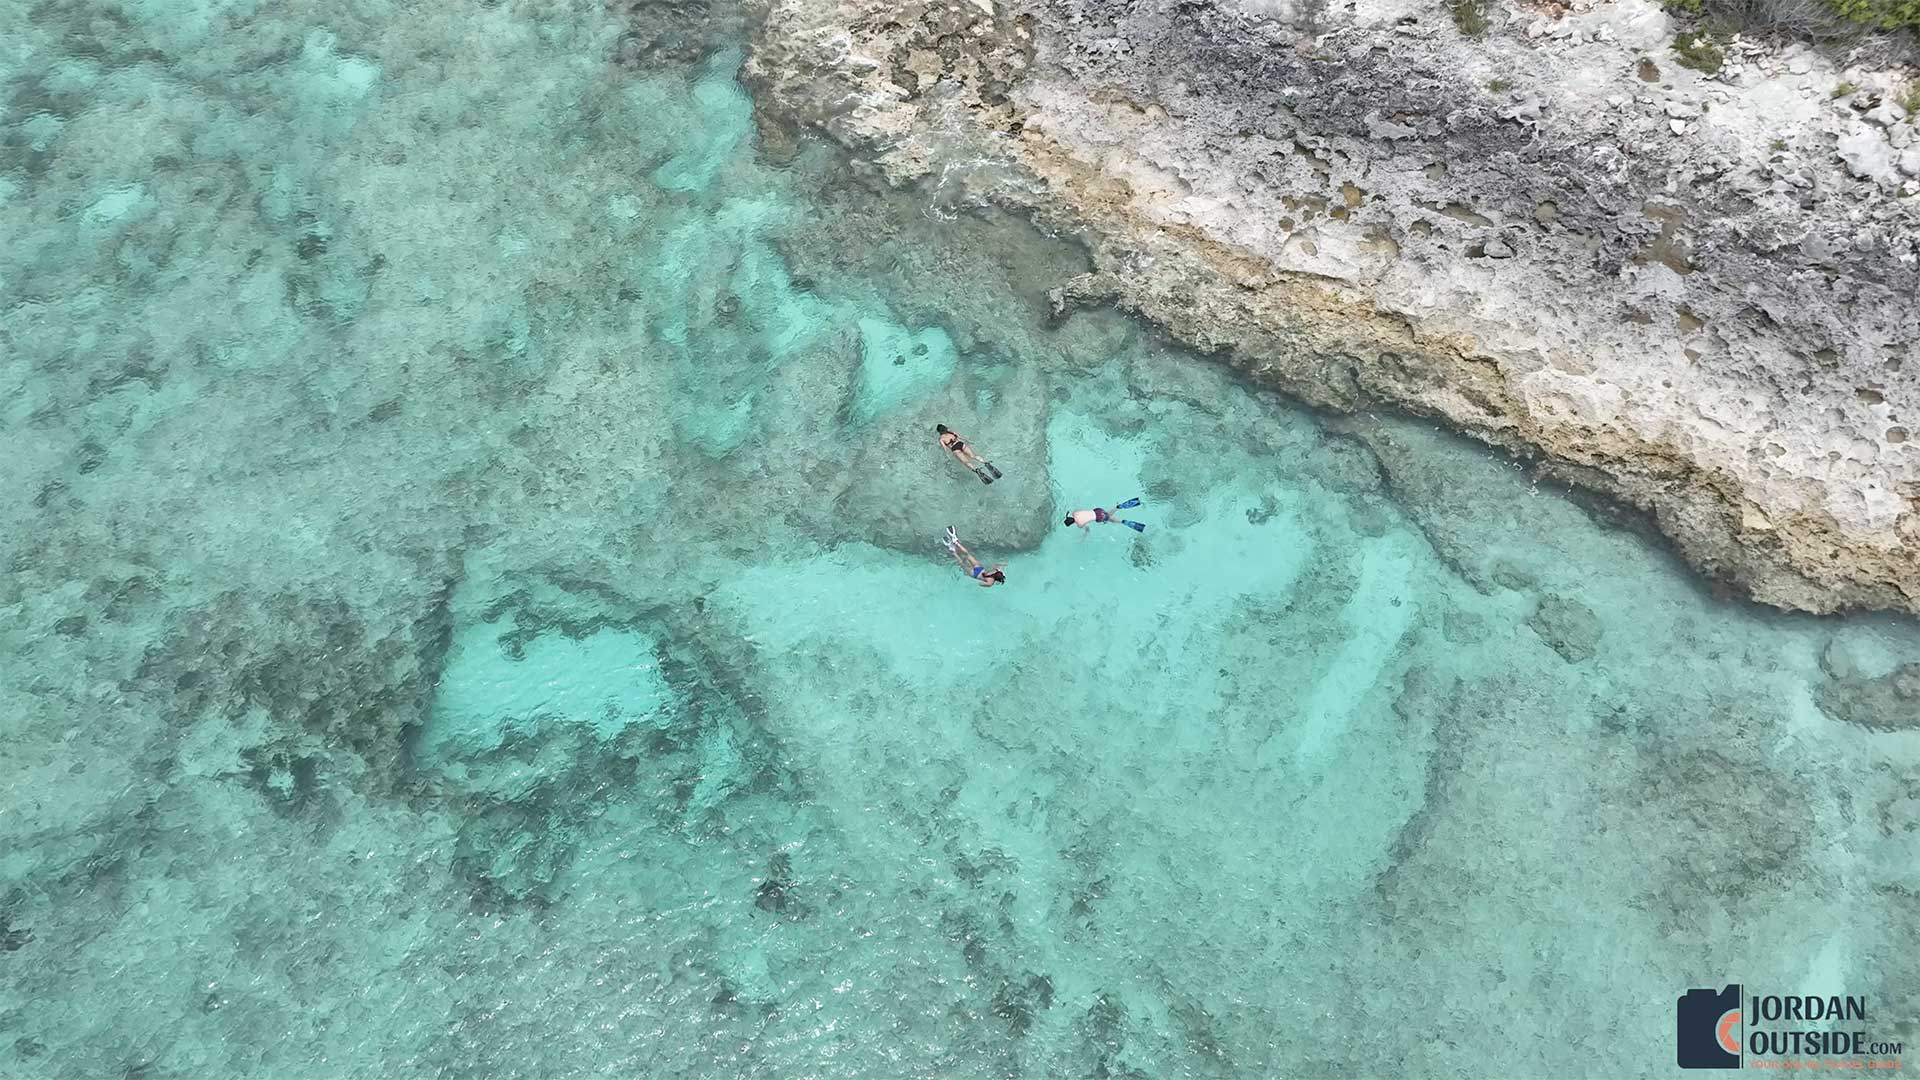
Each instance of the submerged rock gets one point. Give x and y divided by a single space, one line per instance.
1888 703
514 855
312 663
1747 851
1020 1001
1568 626
13 938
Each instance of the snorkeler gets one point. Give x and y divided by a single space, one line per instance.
951 441
1096 516
987 578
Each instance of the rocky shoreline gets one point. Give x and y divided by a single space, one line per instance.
1697 293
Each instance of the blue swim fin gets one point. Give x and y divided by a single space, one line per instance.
1134 525
1128 505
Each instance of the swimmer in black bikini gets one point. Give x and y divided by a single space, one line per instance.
951 441
987 578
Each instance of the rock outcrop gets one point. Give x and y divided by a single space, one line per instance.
1694 293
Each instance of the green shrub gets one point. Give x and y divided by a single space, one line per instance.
1880 14
1909 98
1499 86
1845 89
1696 52
1471 15
1686 7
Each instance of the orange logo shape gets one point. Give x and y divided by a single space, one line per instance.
1724 1034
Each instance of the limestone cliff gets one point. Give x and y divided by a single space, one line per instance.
1695 293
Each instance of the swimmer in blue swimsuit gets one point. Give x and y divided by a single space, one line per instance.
987 578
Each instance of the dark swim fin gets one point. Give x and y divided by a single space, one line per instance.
1128 505
1134 525
984 478
992 469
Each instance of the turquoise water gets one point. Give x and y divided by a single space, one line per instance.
475 609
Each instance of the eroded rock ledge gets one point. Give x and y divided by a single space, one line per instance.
1697 295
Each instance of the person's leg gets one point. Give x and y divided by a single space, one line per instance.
972 461
964 455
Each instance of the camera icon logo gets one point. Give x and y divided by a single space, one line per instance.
1706 1028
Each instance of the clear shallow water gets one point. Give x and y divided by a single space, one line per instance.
474 608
